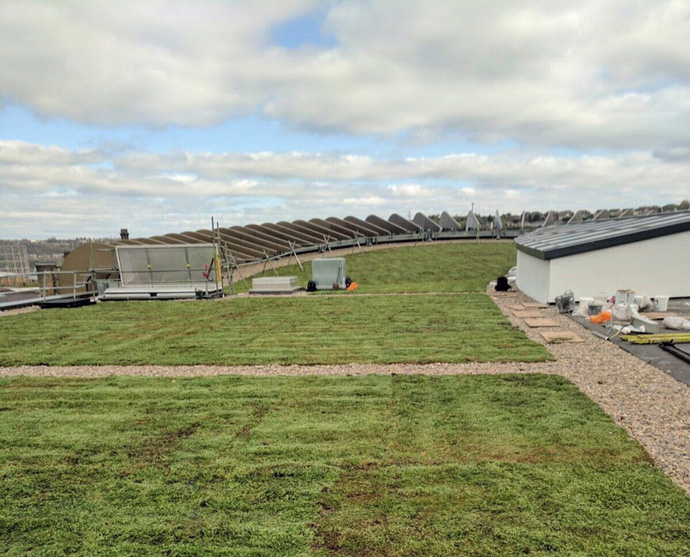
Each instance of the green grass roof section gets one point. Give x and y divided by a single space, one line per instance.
252 331
451 267
378 465
446 319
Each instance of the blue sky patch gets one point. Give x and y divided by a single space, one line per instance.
305 30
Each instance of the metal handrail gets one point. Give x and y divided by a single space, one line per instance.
80 279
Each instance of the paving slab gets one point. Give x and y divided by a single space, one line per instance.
541 322
530 313
535 305
560 336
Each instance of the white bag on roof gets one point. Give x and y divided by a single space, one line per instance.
676 323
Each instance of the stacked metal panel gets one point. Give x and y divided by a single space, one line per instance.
164 272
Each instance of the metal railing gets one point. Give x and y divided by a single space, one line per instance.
78 283
83 283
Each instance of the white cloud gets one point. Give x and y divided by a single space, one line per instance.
47 192
610 79
411 191
18 152
368 203
541 72
126 61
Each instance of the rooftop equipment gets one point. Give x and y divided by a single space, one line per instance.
329 274
166 272
274 285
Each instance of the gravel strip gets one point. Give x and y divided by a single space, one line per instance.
27 309
652 406
294 370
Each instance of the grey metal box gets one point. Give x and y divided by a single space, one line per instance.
277 285
327 272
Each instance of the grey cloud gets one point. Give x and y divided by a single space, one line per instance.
17 152
53 192
674 154
542 72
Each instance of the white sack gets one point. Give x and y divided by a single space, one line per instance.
676 323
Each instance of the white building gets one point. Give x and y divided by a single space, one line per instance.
650 255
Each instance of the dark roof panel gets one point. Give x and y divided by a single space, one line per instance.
392 228
570 239
408 225
449 223
425 222
334 229
307 233
365 228
355 227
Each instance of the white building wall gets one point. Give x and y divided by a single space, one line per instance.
659 266
533 276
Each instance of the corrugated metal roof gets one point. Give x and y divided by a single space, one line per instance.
560 241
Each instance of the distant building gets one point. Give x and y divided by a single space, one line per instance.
648 254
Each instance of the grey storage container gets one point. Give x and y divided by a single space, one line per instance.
327 272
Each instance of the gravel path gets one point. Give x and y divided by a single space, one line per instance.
28 309
652 406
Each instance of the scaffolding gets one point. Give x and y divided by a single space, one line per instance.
14 266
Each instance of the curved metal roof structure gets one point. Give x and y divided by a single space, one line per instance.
256 242
259 241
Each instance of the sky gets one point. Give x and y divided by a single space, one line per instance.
156 116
